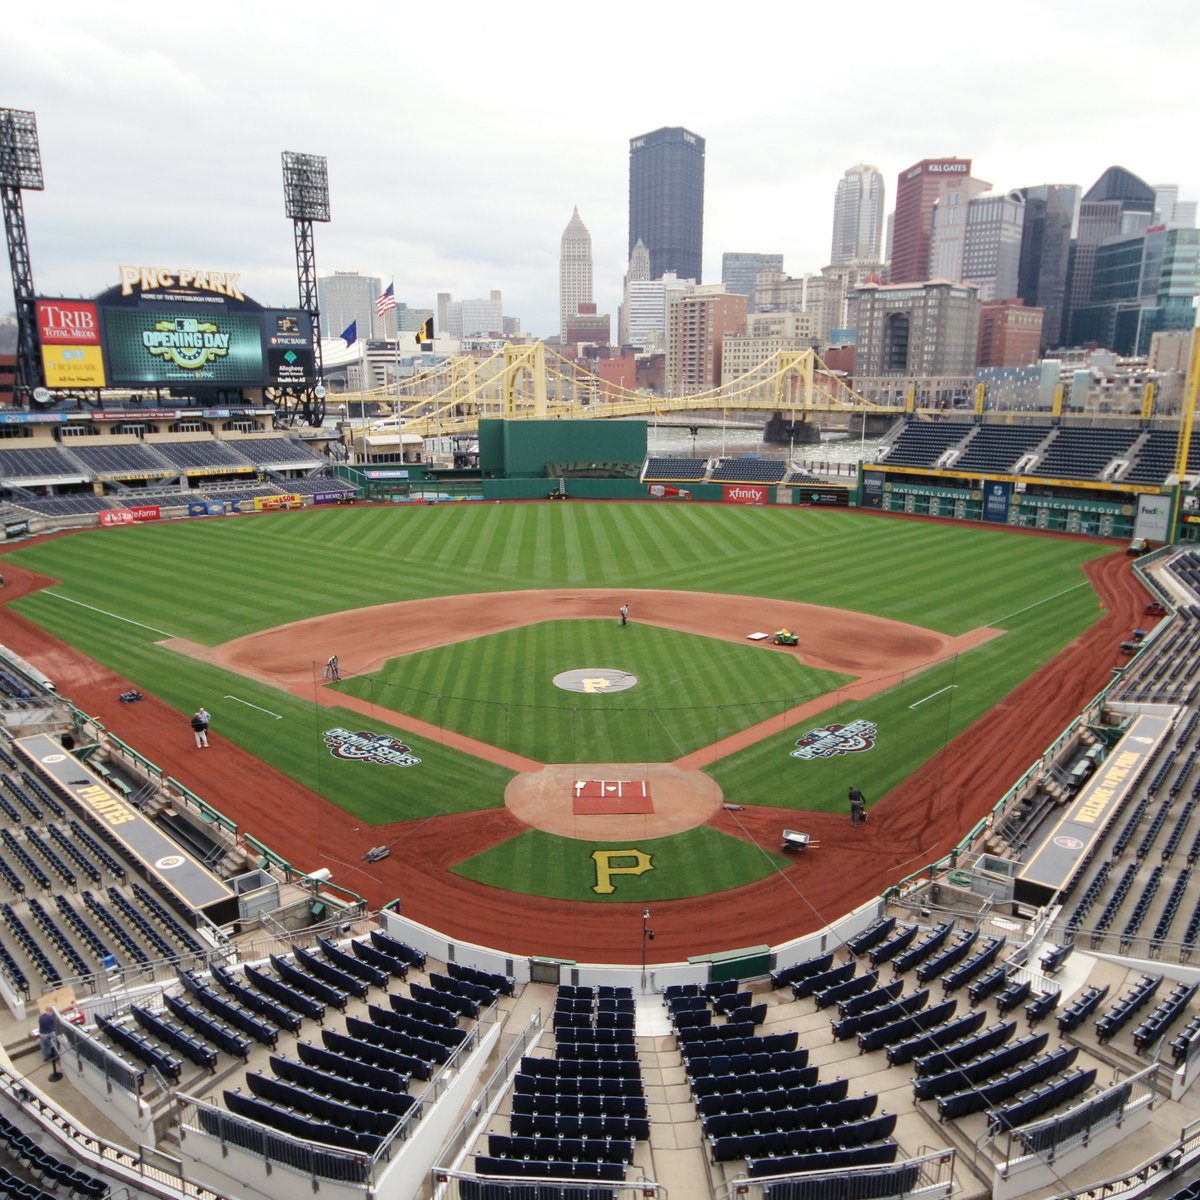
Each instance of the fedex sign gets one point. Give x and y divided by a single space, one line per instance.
68 322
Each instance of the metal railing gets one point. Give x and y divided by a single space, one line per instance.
97 1154
448 1183
491 1092
118 1074
928 1176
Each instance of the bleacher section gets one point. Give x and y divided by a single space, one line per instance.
922 443
675 470
115 462
40 465
205 456
749 470
1083 453
276 454
996 449
1155 458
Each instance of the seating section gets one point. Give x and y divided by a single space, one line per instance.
207 455
1155 458
749 470
675 470
996 449
1083 453
116 462
60 1176
39 465
277 454
922 443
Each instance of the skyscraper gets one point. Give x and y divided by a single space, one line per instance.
1118 202
857 216
1045 253
347 296
666 200
574 272
917 191
978 242
738 272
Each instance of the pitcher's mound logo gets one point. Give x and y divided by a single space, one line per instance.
369 747
831 740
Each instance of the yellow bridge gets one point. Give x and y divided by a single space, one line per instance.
534 381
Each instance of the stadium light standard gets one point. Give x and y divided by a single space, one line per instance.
647 937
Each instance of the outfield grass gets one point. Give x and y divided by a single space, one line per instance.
691 690
216 579
693 863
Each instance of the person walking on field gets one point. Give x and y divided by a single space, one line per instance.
858 807
624 617
200 727
332 670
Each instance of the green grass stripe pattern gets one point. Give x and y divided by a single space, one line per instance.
690 690
693 863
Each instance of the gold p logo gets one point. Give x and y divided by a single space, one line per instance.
605 869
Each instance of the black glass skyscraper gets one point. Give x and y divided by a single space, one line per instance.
1045 254
666 200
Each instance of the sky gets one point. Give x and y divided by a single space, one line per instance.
460 137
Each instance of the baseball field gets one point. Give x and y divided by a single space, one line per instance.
451 623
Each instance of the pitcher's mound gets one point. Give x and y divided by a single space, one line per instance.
601 801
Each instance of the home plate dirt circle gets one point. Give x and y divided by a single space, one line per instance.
601 801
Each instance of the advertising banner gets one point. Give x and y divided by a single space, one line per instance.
744 493
997 495
68 323
332 497
664 491
266 503
130 516
872 489
1153 514
73 366
824 497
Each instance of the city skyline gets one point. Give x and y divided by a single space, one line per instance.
161 140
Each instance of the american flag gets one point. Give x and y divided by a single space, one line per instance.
386 300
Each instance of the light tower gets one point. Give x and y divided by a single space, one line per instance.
306 199
21 170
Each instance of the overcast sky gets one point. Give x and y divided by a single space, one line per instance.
460 137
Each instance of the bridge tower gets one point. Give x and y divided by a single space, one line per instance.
519 360
794 365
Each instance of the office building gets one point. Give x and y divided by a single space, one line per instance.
574 272
922 329
587 325
1142 284
1010 335
697 324
469 318
666 200
347 296
857 215
978 242
1046 226
766 334
646 305
1170 210
1117 203
918 191
739 271
637 272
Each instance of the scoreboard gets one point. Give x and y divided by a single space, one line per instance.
173 329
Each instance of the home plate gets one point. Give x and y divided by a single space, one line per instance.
596 797
758 637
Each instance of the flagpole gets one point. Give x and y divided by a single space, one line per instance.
362 387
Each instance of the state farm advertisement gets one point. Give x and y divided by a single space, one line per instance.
744 493
130 516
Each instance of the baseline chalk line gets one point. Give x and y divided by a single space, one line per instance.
104 612
932 694
249 705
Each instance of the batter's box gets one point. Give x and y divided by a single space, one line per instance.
603 797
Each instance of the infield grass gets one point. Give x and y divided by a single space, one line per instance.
693 863
690 690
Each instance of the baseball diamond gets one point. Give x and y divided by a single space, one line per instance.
889 612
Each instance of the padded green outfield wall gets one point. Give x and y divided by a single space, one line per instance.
510 449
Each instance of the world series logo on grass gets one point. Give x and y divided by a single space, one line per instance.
830 740
369 747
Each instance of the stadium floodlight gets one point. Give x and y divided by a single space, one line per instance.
305 186
20 156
